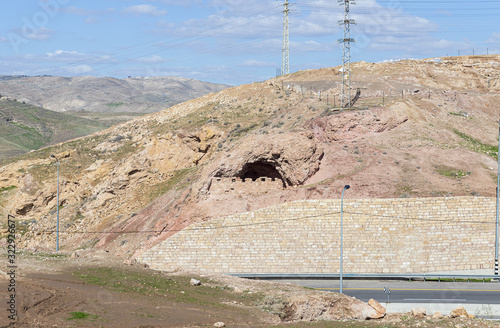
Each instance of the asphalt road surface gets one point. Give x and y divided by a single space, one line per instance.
412 292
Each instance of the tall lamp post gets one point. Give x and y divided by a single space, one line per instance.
498 192
57 204
342 234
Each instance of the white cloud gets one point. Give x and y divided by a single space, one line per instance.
78 70
257 63
40 34
92 20
144 10
78 11
62 52
154 59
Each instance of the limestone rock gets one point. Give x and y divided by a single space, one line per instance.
419 312
437 315
195 282
321 307
458 312
377 307
130 262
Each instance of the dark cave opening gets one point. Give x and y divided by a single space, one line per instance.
257 170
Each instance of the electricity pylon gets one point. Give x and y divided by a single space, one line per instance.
286 37
345 99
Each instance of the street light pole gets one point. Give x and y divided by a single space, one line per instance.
342 234
57 204
498 191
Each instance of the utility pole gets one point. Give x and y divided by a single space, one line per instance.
57 204
285 56
342 236
345 100
498 203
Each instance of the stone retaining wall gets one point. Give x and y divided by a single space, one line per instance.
380 236
244 186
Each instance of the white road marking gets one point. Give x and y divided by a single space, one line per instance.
434 299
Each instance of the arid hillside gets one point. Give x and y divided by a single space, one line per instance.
421 128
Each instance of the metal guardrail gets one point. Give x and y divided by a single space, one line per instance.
381 276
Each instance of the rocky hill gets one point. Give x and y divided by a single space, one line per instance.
421 128
103 94
25 128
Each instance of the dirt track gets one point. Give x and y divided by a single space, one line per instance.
50 289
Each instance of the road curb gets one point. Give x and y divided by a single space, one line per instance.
478 310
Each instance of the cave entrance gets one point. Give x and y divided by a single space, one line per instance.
257 170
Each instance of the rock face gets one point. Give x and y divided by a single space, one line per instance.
274 156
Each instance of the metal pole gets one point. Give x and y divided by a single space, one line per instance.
342 234
57 229
57 204
498 206
285 57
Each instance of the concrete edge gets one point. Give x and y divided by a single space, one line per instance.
486 311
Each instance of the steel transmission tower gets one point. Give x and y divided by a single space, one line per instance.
345 100
286 37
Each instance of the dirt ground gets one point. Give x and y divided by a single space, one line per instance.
98 290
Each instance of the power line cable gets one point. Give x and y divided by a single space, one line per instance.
323 215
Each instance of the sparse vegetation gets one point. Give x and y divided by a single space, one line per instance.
114 105
178 181
7 188
81 316
478 146
451 172
176 288
30 128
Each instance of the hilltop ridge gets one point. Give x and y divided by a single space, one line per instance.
104 94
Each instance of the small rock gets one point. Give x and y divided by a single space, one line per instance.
437 315
219 324
195 282
419 312
376 306
458 312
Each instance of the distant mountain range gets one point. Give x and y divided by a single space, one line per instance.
104 94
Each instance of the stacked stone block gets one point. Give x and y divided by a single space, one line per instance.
380 236
245 186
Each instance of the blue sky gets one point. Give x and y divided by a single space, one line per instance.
230 41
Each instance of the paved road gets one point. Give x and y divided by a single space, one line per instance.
412 292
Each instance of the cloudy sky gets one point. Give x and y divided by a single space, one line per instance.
230 41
